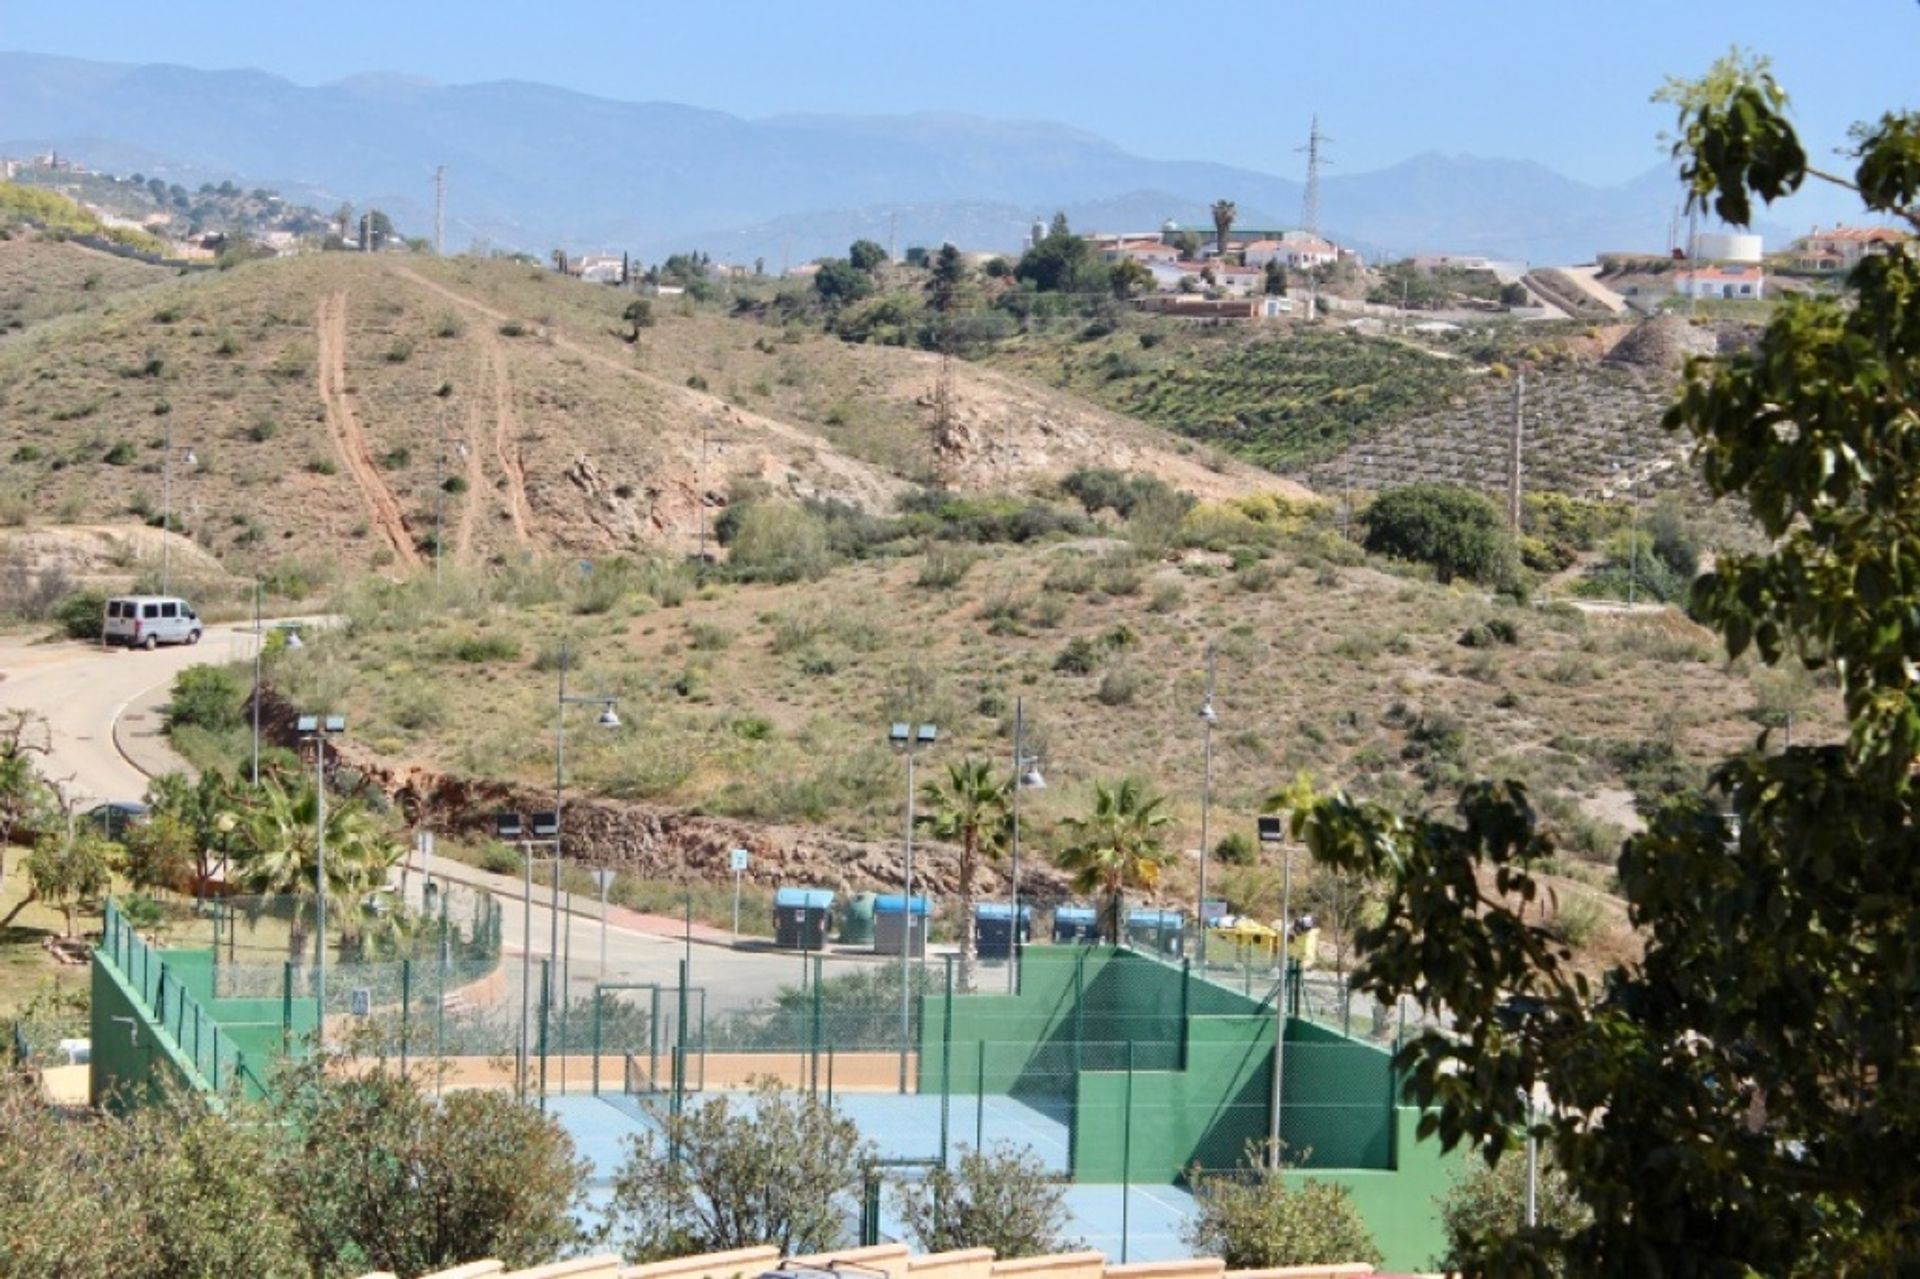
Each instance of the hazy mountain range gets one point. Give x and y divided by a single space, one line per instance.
534 167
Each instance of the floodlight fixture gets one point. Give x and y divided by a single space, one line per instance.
336 723
900 733
307 723
545 825
608 717
508 825
1031 779
1272 830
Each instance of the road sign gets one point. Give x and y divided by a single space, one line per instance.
603 878
360 1002
739 861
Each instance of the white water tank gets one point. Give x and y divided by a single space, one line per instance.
1727 246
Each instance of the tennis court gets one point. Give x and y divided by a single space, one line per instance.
1137 1223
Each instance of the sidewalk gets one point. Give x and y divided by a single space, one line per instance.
576 904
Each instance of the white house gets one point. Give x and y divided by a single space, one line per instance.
599 268
1744 283
1142 251
1296 250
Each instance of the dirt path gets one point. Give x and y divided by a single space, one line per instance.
858 476
349 441
506 441
476 482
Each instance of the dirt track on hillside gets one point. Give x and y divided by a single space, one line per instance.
854 477
349 440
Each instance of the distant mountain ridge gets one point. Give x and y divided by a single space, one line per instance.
534 166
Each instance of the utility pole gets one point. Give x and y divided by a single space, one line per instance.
893 237
1513 455
1693 268
440 211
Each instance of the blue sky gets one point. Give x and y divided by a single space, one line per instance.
1557 81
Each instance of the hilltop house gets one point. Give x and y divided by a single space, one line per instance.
1840 248
1296 250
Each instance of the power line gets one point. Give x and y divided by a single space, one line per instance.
1310 202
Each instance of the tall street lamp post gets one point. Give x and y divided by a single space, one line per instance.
1026 776
908 737
1273 831
608 719
316 729
537 831
1208 716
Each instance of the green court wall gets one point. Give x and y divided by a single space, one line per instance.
130 1060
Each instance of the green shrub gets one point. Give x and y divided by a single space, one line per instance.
208 697
1119 687
1081 656
1455 530
81 615
708 637
1253 1219
780 541
484 648
1236 848
119 455
1487 634
944 567
262 430
501 859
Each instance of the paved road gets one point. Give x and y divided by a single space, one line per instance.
80 690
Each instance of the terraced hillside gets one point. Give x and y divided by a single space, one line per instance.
1278 397
1587 430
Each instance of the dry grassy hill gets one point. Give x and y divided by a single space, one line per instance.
42 278
341 408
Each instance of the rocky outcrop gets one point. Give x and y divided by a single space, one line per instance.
656 842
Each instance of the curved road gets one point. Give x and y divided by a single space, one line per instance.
79 690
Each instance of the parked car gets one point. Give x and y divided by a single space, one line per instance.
146 621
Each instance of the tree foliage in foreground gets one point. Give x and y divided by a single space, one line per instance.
1257 1218
1003 1198
772 1169
1744 1097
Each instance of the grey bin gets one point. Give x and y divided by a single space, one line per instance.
856 921
802 917
896 930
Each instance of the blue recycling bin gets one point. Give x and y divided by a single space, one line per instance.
802 917
1161 931
1076 924
993 930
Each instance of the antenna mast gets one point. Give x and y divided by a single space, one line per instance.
1310 203
440 211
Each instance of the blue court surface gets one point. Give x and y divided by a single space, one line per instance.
1140 1223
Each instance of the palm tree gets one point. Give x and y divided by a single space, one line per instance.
277 854
1223 215
1118 846
969 808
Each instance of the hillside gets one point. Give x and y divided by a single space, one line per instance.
768 703
340 407
42 278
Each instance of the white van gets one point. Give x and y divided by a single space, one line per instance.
146 621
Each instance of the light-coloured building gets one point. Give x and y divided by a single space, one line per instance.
1840 248
1727 246
1740 283
1295 250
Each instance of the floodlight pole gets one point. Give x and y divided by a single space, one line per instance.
318 727
910 735
1207 716
1280 1006
1019 763
609 720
